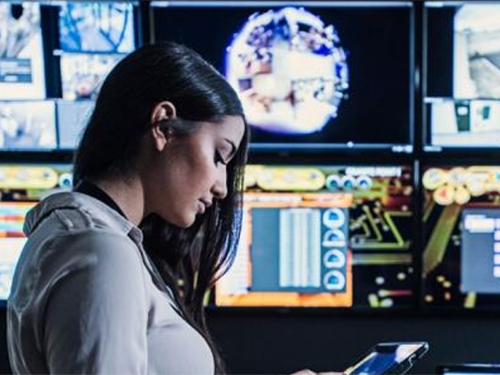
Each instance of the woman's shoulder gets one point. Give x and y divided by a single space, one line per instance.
71 212
99 255
71 231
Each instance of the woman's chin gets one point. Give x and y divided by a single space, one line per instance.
186 222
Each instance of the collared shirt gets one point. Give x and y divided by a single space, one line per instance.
91 189
86 298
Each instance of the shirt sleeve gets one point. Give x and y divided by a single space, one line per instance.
95 320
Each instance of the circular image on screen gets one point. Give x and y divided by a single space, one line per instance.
289 70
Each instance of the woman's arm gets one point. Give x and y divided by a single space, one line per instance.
95 320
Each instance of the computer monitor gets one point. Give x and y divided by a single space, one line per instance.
27 125
22 74
94 37
83 74
469 369
72 118
97 26
323 236
21 187
463 75
309 74
461 263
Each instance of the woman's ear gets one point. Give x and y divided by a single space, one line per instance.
161 114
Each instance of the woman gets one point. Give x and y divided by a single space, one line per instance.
164 150
113 276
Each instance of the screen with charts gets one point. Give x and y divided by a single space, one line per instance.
463 80
461 264
22 74
323 236
308 74
94 36
21 187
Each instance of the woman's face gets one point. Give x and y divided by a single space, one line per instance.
191 171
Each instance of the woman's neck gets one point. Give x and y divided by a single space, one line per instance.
128 194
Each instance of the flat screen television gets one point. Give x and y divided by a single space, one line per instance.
324 236
93 37
461 259
22 74
463 75
309 75
28 125
72 118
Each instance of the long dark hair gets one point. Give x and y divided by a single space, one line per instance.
190 260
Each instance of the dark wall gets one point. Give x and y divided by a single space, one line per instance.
275 343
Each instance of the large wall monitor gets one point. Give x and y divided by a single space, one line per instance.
461 264
324 236
22 74
309 75
463 80
94 36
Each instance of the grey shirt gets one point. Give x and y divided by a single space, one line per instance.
86 299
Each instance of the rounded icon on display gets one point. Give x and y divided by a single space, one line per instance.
445 195
334 280
348 183
434 177
65 181
334 218
364 182
334 258
476 188
457 176
23 174
333 182
47 175
462 195
334 237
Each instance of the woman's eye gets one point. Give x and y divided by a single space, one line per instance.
218 159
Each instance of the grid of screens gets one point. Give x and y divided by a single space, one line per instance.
21 186
461 259
310 75
324 236
328 75
463 75
91 38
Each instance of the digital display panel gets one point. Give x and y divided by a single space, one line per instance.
307 74
461 264
463 75
94 37
21 187
21 51
94 26
83 74
323 236
469 369
27 125
72 118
